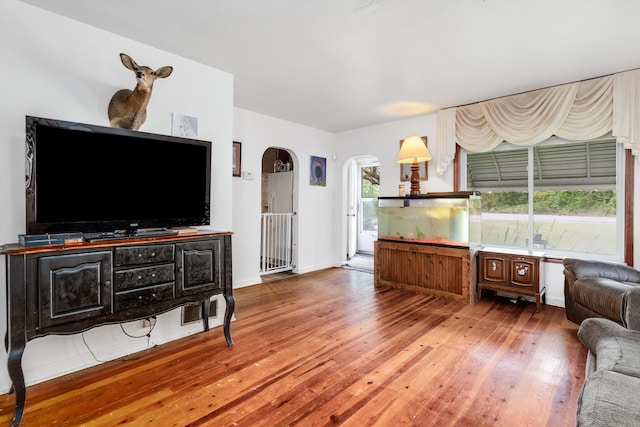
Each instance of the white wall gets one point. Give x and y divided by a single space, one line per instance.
58 68
314 204
382 141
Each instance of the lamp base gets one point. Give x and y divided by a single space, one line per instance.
415 180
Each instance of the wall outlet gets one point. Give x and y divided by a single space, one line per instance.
149 322
247 175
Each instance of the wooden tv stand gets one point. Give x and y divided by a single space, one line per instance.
69 289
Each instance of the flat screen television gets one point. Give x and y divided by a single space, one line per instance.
101 180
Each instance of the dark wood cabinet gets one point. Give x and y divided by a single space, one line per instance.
68 289
512 272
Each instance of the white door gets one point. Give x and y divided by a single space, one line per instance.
368 192
352 208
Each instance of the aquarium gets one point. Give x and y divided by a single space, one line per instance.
450 219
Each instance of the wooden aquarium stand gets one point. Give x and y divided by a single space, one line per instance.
442 271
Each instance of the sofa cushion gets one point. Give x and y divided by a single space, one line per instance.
601 295
619 355
609 399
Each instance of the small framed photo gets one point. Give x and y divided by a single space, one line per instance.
237 156
185 126
405 168
318 171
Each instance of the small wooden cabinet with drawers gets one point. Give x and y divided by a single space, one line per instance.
511 272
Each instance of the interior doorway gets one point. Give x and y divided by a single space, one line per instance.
277 240
363 189
368 192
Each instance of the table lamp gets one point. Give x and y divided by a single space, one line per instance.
413 150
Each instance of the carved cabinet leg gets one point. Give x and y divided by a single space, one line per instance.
231 305
206 307
14 366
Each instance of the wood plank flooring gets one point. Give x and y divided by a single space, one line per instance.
327 348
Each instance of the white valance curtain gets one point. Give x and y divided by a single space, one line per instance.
575 111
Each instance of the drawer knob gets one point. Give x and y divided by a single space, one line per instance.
139 277
153 254
140 297
107 283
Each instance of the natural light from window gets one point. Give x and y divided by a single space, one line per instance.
558 196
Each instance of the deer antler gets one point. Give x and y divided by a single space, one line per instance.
128 108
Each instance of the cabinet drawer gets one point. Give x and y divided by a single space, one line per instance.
136 255
143 276
142 297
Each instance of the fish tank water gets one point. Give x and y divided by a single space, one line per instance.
451 219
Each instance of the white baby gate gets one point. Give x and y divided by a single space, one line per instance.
277 240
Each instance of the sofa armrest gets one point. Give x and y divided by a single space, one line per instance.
631 308
578 269
594 329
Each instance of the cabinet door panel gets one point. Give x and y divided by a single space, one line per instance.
493 269
74 287
523 272
199 266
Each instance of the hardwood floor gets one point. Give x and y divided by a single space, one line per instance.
327 348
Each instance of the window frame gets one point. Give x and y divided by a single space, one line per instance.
624 210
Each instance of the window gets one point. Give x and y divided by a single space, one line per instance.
561 196
369 192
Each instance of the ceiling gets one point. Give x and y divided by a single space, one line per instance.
343 64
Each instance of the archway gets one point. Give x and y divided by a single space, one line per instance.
278 207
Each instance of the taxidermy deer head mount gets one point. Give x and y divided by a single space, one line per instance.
128 108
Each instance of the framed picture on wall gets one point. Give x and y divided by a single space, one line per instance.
185 126
405 168
237 155
318 171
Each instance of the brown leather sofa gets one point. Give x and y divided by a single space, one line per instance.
602 289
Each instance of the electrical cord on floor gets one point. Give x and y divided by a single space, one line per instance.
152 326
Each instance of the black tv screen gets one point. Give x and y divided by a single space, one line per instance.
95 179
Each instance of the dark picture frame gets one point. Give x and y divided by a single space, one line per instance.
405 168
237 158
